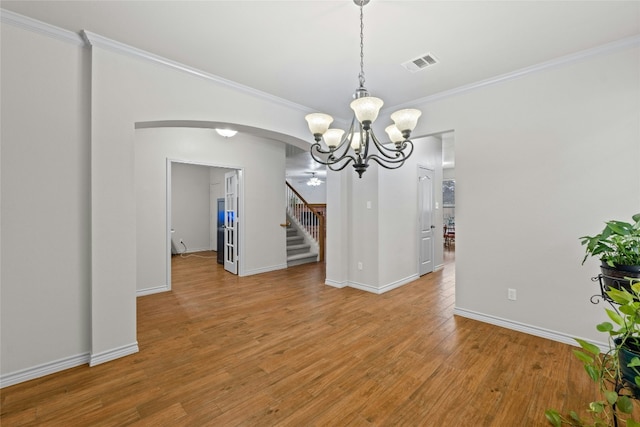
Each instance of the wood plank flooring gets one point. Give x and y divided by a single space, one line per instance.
283 349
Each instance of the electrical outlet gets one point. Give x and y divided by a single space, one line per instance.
511 294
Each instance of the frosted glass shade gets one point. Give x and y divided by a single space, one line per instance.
318 122
406 119
394 134
332 137
355 142
227 133
366 108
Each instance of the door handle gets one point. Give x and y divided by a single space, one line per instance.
285 224
433 226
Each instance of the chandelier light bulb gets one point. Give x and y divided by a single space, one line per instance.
406 120
318 123
394 134
332 137
355 142
367 108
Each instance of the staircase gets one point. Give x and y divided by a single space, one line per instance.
298 251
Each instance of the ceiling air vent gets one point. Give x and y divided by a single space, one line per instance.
420 63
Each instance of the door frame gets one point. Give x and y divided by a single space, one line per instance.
240 225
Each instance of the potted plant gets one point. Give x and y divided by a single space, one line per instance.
618 248
616 372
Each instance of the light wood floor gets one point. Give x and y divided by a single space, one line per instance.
284 349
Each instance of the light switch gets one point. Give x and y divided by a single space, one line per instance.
368 204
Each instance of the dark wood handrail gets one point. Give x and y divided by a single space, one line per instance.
320 217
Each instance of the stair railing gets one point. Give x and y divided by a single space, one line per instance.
311 218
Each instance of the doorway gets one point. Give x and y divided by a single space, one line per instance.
192 193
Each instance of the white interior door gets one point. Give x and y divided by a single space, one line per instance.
231 222
425 219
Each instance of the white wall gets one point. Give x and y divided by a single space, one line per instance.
190 206
540 161
45 246
382 237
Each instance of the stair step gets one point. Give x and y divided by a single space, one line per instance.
301 258
292 232
294 240
298 249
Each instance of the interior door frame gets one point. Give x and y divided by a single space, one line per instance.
240 225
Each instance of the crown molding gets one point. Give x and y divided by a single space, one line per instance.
24 22
106 43
558 62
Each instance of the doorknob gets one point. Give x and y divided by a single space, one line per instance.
433 226
285 224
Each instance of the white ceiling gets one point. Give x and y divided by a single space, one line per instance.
308 51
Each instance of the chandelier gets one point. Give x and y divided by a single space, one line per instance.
314 181
353 146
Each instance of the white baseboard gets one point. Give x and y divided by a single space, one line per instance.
115 353
523 327
150 291
335 284
369 288
263 270
44 369
398 283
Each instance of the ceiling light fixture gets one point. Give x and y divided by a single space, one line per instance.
353 146
313 181
227 133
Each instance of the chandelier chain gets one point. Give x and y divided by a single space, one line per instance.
361 76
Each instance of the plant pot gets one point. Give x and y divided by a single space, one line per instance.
617 278
625 354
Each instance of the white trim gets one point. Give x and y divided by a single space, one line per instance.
151 291
44 369
30 24
94 39
377 290
393 285
114 353
168 210
525 328
263 270
363 287
336 284
543 66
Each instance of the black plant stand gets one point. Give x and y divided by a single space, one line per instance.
605 283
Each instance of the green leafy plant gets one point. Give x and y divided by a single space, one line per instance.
617 396
618 244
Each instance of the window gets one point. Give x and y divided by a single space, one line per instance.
449 193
